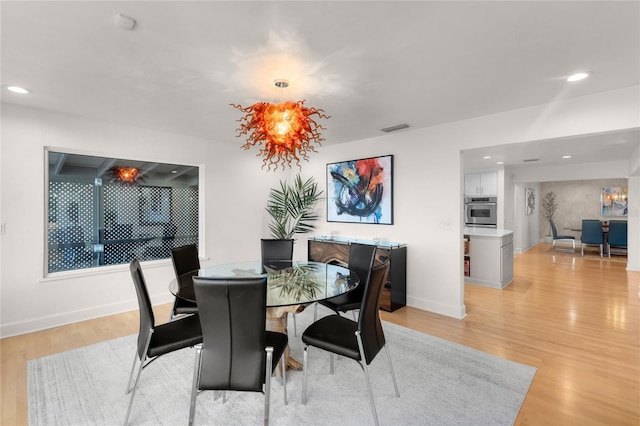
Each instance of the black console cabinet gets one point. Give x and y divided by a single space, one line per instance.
336 250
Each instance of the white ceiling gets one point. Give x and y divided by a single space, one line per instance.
368 64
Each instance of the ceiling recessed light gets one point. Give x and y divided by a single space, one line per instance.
17 89
566 156
486 157
578 76
500 162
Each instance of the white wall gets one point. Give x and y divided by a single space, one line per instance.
526 226
233 191
427 185
633 232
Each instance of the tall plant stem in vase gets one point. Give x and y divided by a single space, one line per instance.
549 206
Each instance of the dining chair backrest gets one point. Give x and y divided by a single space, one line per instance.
369 322
233 318
617 233
591 231
276 249
185 259
554 231
147 320
361 257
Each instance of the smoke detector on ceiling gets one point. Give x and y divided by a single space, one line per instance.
124 22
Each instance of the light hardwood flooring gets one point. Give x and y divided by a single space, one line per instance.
577 320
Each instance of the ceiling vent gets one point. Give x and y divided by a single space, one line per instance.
531 160
394 128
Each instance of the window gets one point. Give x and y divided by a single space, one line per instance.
97 217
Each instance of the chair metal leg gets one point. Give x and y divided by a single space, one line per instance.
135 386
133 368
315 312
283 364
304 375
393 374
363 364
267 383
194 386
133 392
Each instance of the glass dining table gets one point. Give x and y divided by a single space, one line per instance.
291 285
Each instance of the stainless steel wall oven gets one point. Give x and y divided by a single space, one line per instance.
481 211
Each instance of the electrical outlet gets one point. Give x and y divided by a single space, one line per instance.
445 225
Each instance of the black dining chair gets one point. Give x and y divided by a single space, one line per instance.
156 340
278 249
361 257
237 353
360 341
185 259
563 238
592 234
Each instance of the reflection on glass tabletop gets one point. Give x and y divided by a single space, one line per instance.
288 282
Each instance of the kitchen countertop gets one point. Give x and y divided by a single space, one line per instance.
486 232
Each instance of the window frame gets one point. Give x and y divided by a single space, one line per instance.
190 182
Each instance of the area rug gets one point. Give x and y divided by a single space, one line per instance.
440 383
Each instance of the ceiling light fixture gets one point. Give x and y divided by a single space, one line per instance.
486 157
126 175
578 76
284 132
566 156
17 89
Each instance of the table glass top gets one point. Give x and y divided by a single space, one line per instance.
288 282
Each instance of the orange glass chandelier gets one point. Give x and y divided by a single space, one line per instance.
130 175
283 132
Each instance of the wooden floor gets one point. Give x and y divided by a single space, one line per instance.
577 320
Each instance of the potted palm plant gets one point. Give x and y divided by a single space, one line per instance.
549 206
291 207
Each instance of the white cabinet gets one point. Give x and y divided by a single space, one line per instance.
488 258
485 183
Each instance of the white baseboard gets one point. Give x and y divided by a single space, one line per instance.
70 317
458 312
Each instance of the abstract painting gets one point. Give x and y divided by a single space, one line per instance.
361 191
614 201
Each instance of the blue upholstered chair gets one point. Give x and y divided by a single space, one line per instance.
565 238
591 234
617 235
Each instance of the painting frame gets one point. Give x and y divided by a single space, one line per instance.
154 205
361 190
529 201
614 201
